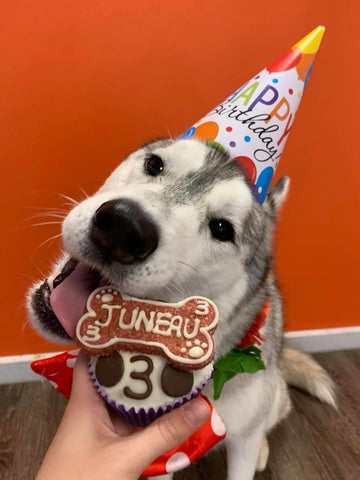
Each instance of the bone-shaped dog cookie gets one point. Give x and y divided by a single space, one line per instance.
181 332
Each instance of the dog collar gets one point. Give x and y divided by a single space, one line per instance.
245 357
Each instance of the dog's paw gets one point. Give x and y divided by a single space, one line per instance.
263 455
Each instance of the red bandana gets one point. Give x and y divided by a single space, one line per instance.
253 335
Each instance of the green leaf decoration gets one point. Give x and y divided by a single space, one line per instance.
238 360
219 379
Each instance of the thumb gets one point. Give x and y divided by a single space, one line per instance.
84 396
170 430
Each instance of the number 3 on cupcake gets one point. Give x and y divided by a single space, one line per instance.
143 376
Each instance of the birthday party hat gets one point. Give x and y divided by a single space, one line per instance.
253 124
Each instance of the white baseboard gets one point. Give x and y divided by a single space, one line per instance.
324 340
16 368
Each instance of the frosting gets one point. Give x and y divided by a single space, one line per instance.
145 381
181 332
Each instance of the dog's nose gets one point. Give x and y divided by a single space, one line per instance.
122 231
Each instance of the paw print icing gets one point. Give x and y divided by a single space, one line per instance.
195 351
106 295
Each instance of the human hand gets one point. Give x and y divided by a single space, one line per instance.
94 443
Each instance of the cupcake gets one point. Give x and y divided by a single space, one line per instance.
142 387
147 357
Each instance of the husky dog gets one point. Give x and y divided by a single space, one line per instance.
178 218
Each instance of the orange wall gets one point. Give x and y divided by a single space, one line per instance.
84 82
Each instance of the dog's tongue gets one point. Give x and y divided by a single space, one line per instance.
68 300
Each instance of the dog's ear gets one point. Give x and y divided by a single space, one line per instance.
278 194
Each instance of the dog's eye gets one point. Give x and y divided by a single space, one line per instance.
222 230
154 165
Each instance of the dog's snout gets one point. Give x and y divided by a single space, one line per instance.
123 232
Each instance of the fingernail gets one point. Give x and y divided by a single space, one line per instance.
196 411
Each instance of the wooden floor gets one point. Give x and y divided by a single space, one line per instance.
314 443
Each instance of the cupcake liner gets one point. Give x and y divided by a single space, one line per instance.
141 417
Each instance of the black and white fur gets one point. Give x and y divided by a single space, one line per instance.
198 184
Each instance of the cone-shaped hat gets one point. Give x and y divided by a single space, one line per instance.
253 124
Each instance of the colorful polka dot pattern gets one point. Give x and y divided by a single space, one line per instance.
58 370
252 125
208 435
